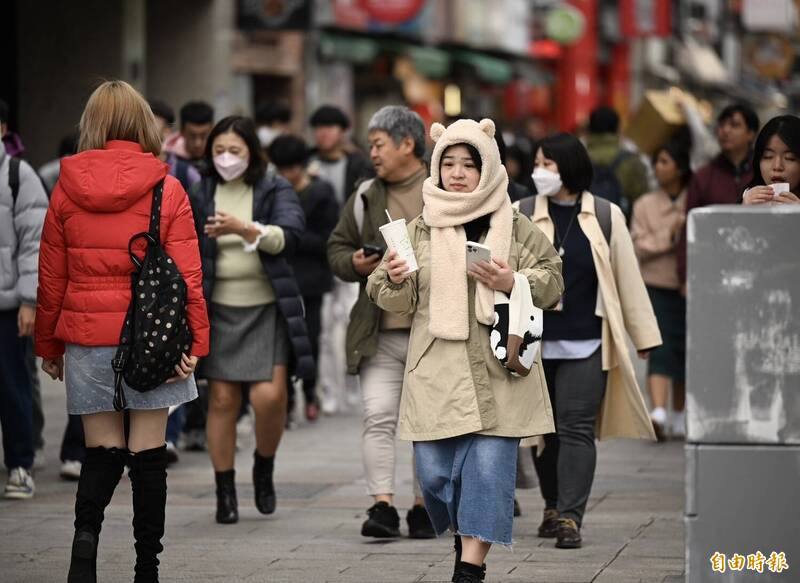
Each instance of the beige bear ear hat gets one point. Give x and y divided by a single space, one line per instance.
466 131
446 212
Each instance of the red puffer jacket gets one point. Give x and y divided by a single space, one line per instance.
101 200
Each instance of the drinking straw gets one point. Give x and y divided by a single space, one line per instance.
388 216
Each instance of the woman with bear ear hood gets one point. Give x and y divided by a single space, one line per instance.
460 406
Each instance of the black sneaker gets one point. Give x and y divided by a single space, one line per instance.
383 521
569 534
419 523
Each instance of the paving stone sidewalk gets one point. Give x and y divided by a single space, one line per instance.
633 530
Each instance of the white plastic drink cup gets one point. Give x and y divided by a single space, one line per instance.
396 236
779 187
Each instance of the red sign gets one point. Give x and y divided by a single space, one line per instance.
640 18
392 11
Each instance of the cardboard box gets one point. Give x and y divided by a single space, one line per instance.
658 118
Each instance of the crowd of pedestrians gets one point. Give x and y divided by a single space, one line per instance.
288 290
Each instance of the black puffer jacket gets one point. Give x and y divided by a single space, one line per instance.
310 261
274 203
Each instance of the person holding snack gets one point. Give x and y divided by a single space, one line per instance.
462 408
377 340
776 163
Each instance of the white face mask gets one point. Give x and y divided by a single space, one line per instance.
230 166
547 183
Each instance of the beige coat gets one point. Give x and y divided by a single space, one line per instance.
456 387
624 306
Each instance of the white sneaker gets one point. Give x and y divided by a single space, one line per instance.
658 417
70 470
20 484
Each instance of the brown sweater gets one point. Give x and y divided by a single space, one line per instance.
656 230
403 200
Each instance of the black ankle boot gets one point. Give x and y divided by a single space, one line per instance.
227 505
262 483
100 474
469 573
149 485
457 548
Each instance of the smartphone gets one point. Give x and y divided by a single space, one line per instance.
370 250
477 253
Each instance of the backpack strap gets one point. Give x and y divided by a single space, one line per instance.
526 205
13 179
155 211
358 203
602 210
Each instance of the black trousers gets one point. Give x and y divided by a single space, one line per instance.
566 467
16 398
314 326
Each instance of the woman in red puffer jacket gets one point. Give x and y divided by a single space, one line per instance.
103 197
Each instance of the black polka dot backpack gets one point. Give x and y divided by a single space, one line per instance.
155 332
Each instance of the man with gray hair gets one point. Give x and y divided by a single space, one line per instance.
377 341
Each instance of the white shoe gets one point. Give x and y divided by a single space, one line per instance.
658 417
20 484
70 470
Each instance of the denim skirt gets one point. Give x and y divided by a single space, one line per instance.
468 485
90 384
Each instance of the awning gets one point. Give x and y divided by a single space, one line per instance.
359 50
490 69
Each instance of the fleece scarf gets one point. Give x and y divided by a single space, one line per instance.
446 213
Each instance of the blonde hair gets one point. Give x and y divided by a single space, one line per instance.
116 111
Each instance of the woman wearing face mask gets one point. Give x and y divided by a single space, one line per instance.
462 409
656 228
584 350
248 223
776 163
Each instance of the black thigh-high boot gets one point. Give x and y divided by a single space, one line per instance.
100 474
149 485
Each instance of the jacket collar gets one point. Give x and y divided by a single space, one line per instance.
541 211
123 145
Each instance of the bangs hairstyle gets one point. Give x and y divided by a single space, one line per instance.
245 128
473 153
116 111
787 128
572 160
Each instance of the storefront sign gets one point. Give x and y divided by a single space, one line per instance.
392 11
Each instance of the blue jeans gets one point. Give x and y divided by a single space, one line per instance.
16 399
468 484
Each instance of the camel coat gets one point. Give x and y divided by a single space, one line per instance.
624 306
456 387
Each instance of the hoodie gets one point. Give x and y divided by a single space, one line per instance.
103 198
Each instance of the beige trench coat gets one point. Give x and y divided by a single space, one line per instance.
624 306
456 387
